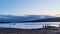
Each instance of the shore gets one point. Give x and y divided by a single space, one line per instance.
27 31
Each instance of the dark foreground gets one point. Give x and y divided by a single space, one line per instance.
27 31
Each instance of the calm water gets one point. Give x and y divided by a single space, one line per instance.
28 25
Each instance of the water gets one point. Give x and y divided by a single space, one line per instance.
28 25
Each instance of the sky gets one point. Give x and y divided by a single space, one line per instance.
30 7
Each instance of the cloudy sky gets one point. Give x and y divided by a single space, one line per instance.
30 7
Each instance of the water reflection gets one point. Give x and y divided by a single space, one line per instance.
29 25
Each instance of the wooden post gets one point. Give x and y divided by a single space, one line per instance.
59 25
45 25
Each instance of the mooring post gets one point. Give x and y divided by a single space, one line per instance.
59 25
43 25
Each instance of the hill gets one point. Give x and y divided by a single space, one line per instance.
14 19
56 19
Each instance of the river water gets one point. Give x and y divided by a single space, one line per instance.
28 25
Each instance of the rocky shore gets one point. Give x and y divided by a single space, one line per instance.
27 31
